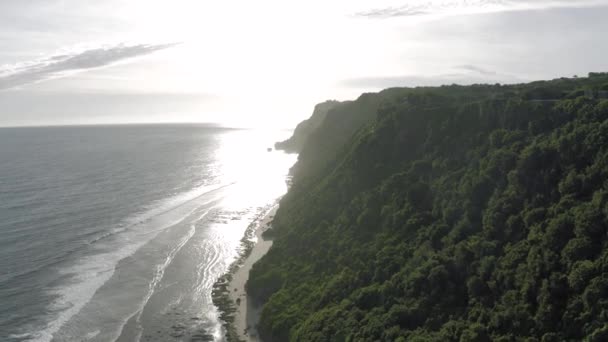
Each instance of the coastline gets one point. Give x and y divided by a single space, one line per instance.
239 317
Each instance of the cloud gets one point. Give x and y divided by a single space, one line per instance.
24 73
476 69
402 11
380 82
463 74
471 6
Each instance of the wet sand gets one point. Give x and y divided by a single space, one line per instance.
246 315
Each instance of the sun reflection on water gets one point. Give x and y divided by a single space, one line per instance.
257 175
246 161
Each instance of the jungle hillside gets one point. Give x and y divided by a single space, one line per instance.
453 213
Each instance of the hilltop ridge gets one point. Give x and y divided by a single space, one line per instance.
305 128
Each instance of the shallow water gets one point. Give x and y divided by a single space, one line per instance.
124 229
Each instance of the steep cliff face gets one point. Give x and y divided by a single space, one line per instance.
341 123
446 214
306 128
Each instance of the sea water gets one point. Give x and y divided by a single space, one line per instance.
117 233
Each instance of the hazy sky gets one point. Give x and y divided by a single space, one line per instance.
268 62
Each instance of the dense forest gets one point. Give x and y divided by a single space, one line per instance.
454 213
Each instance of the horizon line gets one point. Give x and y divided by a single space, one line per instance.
111 124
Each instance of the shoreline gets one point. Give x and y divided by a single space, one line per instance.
239 317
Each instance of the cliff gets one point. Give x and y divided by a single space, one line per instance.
305 128
452 213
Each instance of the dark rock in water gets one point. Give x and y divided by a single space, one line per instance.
201 337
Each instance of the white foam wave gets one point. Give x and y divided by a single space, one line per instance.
20 336
92 334
89 273
160 270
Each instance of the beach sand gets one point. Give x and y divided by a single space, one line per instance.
246 315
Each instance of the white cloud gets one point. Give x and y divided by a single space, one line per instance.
447 7
459 74
56 66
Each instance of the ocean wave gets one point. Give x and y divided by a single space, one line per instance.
89 273
160 269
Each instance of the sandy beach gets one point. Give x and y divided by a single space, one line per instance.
246 315
239 315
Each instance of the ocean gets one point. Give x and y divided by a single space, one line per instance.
117 233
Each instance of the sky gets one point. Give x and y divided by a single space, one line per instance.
268 62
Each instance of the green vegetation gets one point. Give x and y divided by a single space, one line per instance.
451 214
